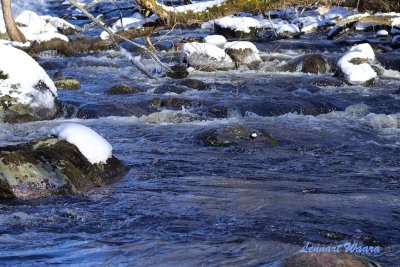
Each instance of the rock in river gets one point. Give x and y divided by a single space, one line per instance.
26 91
51 166
236 135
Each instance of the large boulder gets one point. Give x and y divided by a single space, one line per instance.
52 166
207 57
26 91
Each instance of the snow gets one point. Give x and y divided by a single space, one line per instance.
241 45
41 28
242 24
217 40
382 33
358 74
135 21
365 49
209 50
93 146
24 74
196 7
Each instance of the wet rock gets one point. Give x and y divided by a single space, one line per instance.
327 81
328 259
311 63
220 111
68 83
178 72
121 89
195 84
174 103
206 57
93 111
395 43
389 61
50 167
243 53
56 75
236 135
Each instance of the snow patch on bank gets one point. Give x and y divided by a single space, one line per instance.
93 146
42 28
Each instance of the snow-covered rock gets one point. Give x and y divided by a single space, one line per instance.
94 147
355 65
243 52
216 39
236 27
382 33
135 21
206 56
24 82
51 166
42 28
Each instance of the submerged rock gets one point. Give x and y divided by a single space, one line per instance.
311 63
68 83
328 259
195 84
121 89
49 167
236 135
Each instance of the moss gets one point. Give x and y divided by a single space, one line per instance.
358 61
68 84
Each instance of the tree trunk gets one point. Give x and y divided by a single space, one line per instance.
229 7
13 32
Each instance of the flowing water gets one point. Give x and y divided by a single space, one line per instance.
332 177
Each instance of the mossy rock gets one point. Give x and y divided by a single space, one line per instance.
121 89
177 72
51 166
68 84
236 135
317 259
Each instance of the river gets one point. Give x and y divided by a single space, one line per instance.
331 178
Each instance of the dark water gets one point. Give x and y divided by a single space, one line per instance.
332 178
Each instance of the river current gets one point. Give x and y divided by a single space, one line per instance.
332 177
